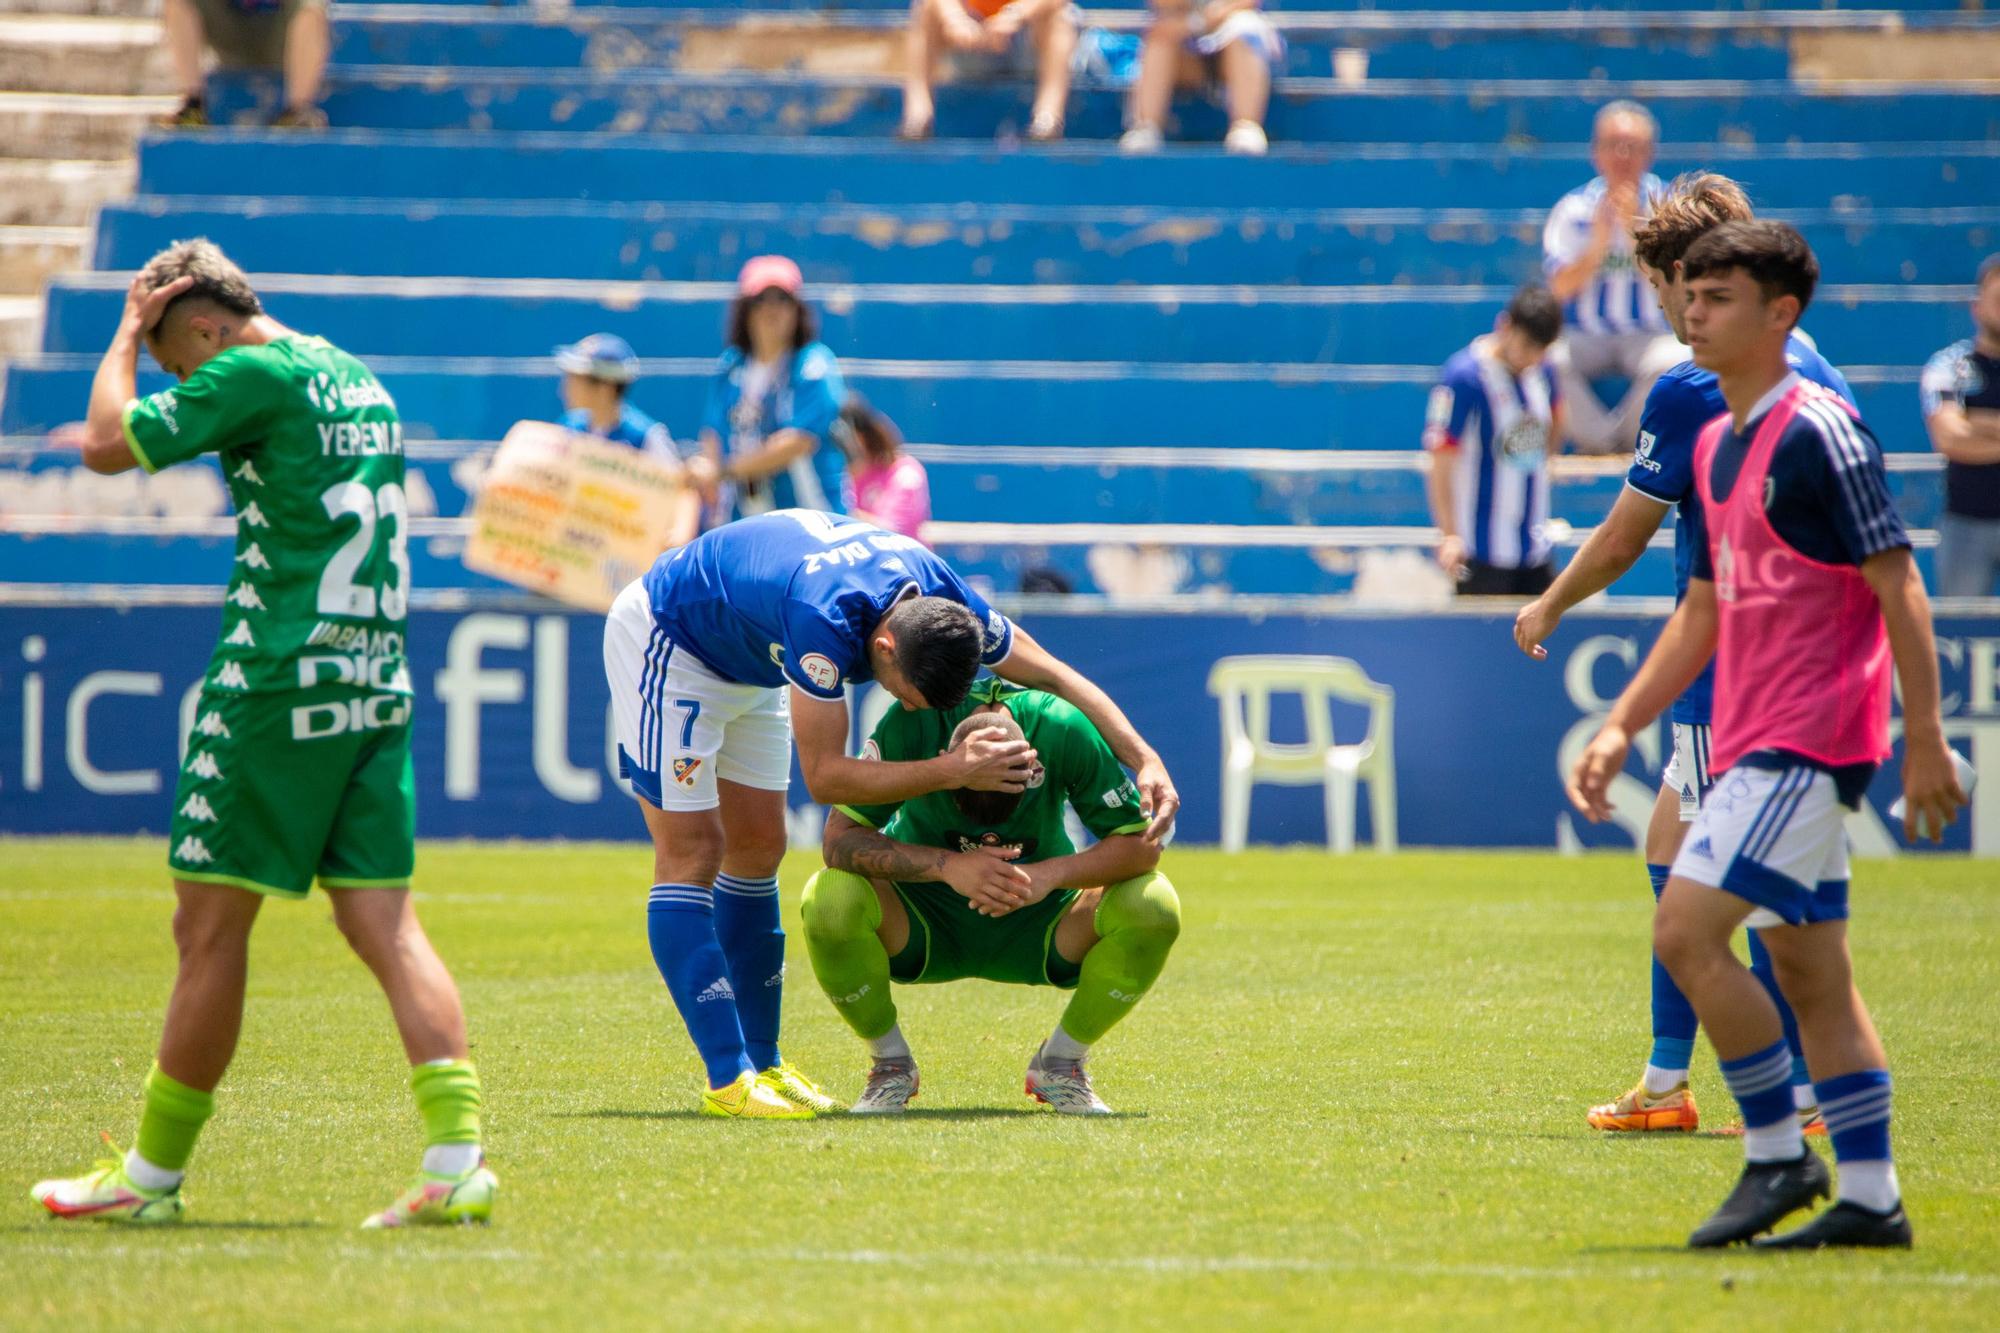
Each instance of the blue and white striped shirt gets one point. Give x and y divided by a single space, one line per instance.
1617 298
1494 428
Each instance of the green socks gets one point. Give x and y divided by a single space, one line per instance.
842 915
448 1099
171 1120
1137 922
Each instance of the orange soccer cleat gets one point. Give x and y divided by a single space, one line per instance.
1639 1109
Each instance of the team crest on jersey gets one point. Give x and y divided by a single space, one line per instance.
991 841
685 768
1525 443
820 670
870 750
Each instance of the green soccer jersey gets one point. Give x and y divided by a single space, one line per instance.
1078 769
312 452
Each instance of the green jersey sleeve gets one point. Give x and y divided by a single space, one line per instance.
1103 797
229 401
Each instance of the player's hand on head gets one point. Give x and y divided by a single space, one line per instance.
1533 624
144 305
1932 796
991 761
1600 762
1159 799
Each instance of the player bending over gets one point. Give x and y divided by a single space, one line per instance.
986 884
1803 590
1661 479
299 763
722 650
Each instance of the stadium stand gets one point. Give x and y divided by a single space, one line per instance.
1089 352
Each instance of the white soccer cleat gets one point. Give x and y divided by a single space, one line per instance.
1064 1085
892 1086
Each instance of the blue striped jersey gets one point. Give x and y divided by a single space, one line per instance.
1495 428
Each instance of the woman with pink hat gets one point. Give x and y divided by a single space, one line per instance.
774 401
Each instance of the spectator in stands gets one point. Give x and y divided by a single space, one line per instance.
989 29
1196 45
1613 326
288 35
1961 401
1494 419
598 373
890 487
773 402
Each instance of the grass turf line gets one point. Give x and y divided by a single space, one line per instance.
1355 1097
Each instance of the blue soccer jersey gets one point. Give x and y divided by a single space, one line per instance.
793 596
1682 401
1493 428
747 404
634 428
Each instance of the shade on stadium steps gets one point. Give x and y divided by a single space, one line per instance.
1303 110
931 243
356 164
1095 404
1388 323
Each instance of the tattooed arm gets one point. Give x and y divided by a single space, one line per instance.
988 881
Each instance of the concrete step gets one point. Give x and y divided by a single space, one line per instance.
29 256
20 325
75 125
36 193
44 54
101 8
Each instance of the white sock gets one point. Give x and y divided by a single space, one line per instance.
450 1159
149 1177
1805 1097
890 1045
1870 1184
1782 1142
1658 1080
1064 1047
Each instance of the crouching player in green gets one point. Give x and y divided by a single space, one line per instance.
965 883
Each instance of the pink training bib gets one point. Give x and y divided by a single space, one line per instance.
1802 656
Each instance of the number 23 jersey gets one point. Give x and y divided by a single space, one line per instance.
312 452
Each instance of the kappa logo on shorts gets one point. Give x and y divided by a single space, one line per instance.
684 770
202 764
820 670
198 809
211 724
1702 849
193 851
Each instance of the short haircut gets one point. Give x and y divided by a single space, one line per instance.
991 808
1536 312
938 645
1772 253
1694 205
1988 271
736 330
1624 106
216 277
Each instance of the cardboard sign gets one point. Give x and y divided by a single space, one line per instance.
570 516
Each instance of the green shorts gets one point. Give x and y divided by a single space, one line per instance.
950 942
280 789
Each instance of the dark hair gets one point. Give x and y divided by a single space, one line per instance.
216 277
938 645
1536 312
736 330
1694 205
990 808
1772 253
1988 270
866 432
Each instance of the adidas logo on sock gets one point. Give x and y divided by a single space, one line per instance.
718 989
775 979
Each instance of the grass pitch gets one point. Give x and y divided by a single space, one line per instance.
1354 1099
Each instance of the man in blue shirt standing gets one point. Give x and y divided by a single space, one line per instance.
1961 404
724 649
1661 478
598 373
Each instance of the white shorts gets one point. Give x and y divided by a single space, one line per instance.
1248 26
680 727
1687 772
1775 838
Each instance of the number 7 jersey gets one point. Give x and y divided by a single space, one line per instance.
312 451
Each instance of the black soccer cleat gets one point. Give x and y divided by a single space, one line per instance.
1849 1226
1765 1195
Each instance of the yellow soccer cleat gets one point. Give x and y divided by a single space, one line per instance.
1639 1110
786 1080
107 1194
441 1201
749 1098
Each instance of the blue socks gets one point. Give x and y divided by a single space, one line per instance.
1856 1107
1674 1022
680 924
746 926
1761 1082
1760 967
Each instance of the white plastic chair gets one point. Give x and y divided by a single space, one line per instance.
1244 686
